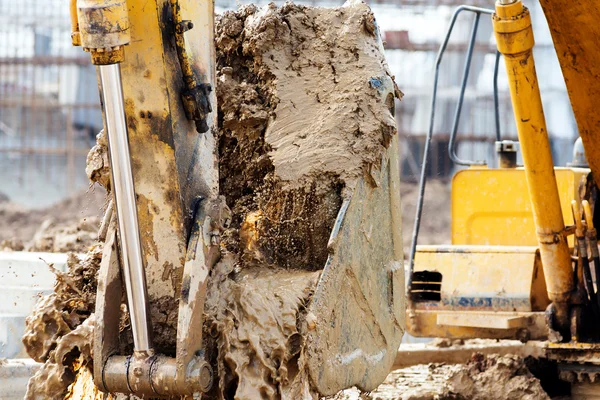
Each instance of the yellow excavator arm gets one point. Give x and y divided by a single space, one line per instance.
575 33
156 71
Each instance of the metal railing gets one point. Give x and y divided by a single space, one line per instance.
451 148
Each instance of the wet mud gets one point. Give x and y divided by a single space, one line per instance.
300 121
59 331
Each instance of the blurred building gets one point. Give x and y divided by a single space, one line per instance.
49 104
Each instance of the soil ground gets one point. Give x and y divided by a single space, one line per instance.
481 378
18 225
29 229
435 220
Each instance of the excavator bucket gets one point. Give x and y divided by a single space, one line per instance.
176 186
359 305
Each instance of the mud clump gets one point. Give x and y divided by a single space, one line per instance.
483 377
59 331
62 238
498 377
73 352
303 115
255 317
301 118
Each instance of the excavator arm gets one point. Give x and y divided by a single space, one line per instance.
156 70
524 239
575 32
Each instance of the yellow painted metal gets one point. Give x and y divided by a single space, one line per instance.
75 35
481 320
577 216
424 323
587 211
194 95
512 25
103 29
172 164
575 352
495 292
493 206
164 144
498 278
575 32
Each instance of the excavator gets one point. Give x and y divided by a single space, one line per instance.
523 238
523 260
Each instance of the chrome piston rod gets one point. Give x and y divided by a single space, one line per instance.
122 181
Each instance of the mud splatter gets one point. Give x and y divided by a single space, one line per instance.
299 122
254 322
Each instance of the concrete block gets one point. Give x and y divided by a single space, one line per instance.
24 278
14 375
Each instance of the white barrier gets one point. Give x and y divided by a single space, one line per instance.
24 278
14 375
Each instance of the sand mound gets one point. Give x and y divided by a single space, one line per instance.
70 225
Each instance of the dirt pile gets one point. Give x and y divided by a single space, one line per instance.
482 378
302 117
497 377
70 225
418 382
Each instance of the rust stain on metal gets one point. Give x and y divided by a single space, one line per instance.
175 275
146 223
132 122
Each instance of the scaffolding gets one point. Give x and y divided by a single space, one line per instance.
49 105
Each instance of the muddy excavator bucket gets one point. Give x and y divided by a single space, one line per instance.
356 317
188 247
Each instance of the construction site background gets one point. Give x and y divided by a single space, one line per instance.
50 112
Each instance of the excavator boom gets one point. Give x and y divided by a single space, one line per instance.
575 32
